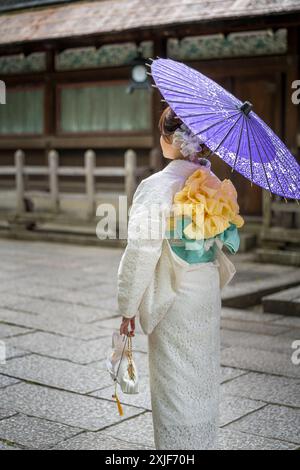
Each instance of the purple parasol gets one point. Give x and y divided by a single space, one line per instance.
228 127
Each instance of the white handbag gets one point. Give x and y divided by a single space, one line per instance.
122 367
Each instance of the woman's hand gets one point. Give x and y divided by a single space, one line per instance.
124 326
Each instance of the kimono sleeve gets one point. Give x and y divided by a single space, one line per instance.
146 226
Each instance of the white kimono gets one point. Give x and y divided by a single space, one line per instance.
179 307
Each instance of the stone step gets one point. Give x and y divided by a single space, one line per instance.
248 242
286 302
255 281
72 236
284 257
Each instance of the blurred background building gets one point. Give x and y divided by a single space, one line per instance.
80 121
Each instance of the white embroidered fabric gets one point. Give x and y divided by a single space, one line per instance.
184 365
184 352
141 255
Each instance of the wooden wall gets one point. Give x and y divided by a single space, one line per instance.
262 80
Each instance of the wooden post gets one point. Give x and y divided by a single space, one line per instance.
267 212
155 159
291 109
20 190
160 46
130 174
90 163
53 179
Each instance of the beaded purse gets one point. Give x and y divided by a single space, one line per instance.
122 367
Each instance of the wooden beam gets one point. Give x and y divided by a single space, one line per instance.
291 116
68 76
84 142
281 234
283 207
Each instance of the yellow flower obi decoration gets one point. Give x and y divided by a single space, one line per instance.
210 204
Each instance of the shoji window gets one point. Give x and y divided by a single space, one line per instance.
94 108
23 112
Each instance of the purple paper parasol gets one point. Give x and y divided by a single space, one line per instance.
228 127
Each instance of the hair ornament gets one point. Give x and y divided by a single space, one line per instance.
190 145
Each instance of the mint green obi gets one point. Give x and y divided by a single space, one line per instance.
201 251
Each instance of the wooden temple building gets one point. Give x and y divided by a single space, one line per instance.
71 127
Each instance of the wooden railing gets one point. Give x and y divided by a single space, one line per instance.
130 172
281 220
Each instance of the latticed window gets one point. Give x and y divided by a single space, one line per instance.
90 108
23 112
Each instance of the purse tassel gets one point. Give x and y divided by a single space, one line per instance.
115 396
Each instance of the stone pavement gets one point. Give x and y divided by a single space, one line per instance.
57 312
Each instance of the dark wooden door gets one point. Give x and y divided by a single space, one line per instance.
265 93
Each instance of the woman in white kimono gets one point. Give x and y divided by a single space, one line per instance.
175 289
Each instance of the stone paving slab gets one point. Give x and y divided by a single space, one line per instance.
26 288
285 302
4 413
291 322
61 292
65 297
234 440
67 408
248 315
62 347
228 373
56 373
267 388
34 433
293 334
52 308
275 422
8 330
241 339
9 276
52 324
260 361
57 277
140 432
12 352
6 381
98 441
101 299
253 327
233 408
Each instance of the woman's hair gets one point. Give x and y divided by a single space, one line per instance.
168 123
